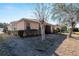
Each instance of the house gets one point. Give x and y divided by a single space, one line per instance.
1 30
28 27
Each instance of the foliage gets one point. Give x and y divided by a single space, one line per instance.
1 25
56 30
20 33
68 13
42 12
76 30
64 29
65 13
4 26
5 29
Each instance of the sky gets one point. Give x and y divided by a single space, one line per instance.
12 12
15 11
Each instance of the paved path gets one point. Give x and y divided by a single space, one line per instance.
69 47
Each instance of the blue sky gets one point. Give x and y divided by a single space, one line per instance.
14 11
11 12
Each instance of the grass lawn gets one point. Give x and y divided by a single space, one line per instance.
76 33
31 45
54 43
2 37
64 33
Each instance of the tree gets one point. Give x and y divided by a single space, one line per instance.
68 13
42 14
1 25
5 27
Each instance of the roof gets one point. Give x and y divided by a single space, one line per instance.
30 20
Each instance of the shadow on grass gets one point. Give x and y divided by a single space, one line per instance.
56 43
38 47
52 45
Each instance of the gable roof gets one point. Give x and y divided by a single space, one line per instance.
30 20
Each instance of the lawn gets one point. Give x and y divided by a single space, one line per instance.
77 33
55 44
31 46
3 45
2 37
64 33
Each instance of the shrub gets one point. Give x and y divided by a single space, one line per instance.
20 33
56 30
5 29
64 29
75 30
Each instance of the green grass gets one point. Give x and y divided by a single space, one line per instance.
2 40
77 33
64 33
3 37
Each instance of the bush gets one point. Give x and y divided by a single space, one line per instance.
5 29
64 29
20 33
76 30
56 30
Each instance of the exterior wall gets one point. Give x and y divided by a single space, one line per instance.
34 25
20 25
11 26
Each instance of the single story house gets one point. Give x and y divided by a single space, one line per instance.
1 30
28 27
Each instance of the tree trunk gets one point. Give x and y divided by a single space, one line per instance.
71 30
42 31
70 33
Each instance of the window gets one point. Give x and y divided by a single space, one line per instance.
28 26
